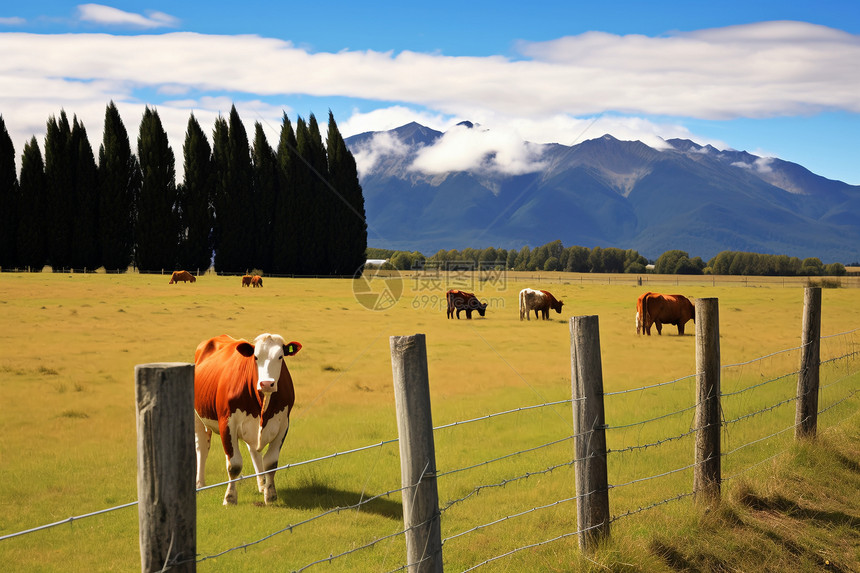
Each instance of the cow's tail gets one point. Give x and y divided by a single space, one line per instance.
646 318
522 303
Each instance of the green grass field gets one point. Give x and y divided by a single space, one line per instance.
67 415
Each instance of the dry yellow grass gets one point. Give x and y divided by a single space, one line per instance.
70 343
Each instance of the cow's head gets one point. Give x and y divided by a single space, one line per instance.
481 307
269 353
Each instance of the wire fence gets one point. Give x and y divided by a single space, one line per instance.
756 424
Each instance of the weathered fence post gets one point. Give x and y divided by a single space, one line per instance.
589 426
806 412
166 466
417 453
706 475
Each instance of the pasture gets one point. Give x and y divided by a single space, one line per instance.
67 414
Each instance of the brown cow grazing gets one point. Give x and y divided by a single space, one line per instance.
243 391
246 280
257 281
182 276
659 309
461 300
538 300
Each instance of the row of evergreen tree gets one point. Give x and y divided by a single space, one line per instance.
297 209
554 256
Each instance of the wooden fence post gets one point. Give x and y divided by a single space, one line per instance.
589 426
706 475
166 466
420 495
806 412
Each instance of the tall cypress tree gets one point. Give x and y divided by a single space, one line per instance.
221 196
343 176
265 179
31 219
195 200
311 191
119 183
286 235
8 201
234 209
157 225
60 184
324 209
85 246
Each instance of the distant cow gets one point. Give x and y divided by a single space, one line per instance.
257 281
538 300
246 280
243 391
461 300
182 276
659 309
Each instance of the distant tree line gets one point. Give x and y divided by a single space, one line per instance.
296 209
556 257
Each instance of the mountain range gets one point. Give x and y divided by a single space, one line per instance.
603 192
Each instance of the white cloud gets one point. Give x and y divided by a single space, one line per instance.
12 21
380 146
101 14
462 148
564 91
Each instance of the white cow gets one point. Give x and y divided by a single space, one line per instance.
538 300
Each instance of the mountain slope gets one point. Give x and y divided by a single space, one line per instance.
604 192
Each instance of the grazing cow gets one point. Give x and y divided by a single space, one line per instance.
659 309
538 300
461 300
246 280
243 391
182 276
257 281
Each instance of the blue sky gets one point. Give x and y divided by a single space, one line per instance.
774 78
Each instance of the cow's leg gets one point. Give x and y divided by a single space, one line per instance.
202 439
270 462
680 329
257 460
659 326
234 465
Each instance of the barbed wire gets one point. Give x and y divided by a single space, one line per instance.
67 520
297 464
533 545
525 451
650 387
514 515
651 506
515 410
655 419
652 444
506 481
754 386
762 411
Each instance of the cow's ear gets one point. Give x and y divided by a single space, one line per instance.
292 348
245 349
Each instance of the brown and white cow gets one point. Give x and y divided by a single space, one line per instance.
246 280
243 391
257 281
182 276
461 300
538 300
659 309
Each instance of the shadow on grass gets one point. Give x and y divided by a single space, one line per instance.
324 498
